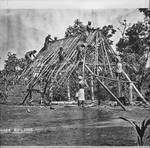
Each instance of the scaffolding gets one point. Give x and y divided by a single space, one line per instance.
98 64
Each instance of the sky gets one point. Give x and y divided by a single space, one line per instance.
73 4
23 26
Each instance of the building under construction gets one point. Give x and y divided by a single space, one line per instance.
87 54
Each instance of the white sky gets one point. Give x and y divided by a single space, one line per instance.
72 4
25 23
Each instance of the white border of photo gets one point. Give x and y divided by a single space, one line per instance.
73 4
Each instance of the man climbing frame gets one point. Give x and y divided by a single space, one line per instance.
89 27
55 38
79 49
48 40
29 56
61 56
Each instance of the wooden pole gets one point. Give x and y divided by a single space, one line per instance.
92 88
104 59
135 88
68 88
99 64
43 92
29 92
119 88
96 57
131 92
5 86
83 68
105 87
107 60
25 98
51 92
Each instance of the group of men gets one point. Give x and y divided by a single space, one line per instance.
29 56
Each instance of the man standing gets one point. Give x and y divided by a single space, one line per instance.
81 93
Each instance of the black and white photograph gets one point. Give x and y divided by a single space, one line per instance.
74 73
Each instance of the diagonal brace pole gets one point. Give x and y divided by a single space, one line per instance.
106 88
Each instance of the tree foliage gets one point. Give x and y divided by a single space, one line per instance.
12 68
135 40
145 11
108 32
13 64
78 27
133 46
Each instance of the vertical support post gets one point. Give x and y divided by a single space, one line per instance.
29 93
104 59
5 86
51 89
68 90
135 88
83 68
96 55
42 91
51 92
92 88
105 87
119 87
104 62
30 88
131 92
25 98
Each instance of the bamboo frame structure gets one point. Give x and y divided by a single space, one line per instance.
47 62
107 59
